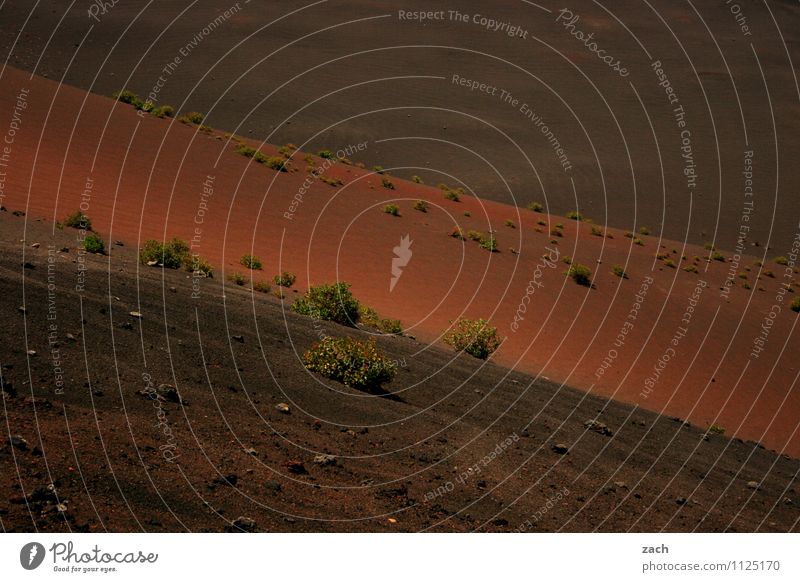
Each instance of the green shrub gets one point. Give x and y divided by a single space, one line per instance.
691 269
196 264
94 244
566 259
597 231
285 279
581 274
474 235
392 209
556 232
128 97
541 223
643 230
262 287
237 279
325 154
421 205
251 262
536 207
371 318
716 429
378 169
490 244
795 304
387 183
170 255
194 117
510 224
277 163
467 213
717 256
417 180
329 302
452 195
619 271
638 241
163 111
574 215
473 336
457 233
669 263
355 363
335 182
781 261
78 220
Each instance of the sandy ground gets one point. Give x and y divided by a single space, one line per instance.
689 349
457 445
342 72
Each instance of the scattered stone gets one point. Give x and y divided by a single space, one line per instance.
35 245
251 451
753 484
126 325
238 338
246 524
152 263
22 310
598 427
501 522
31 353
621 484
64 249
169 393
283 407
19 443
681 501
18 213
560 448
296 467
119 243
324 460
28 265
173 289
273 486
230 480
787 501
71 337
135 314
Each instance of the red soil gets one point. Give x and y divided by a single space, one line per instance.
146 178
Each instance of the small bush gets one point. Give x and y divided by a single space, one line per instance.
371 318
277 163
329 302
795 305
237 279
597 231
556 232
669 263
417 180
474 235
128 97
354 363
94 244
78 220
536 207
490 244
421 205
163 111
566 259
510 224
574 215
541 222
638 241
709 246
262 287
387 183
378 169
643 230
475 337
691 269
457 233
581 274
619 271
196 264
716 429
717 256
781 261
325 154
251 262
335 182
285 279
628 234
170 255
467 213
452 195
392 209
194 117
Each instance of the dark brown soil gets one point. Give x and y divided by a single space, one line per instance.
342 72
233 355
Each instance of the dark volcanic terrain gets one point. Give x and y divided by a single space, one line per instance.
102 455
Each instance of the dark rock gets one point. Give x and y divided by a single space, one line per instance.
238 338
597 427
324 460
245 524
19 443
560 448
296 467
